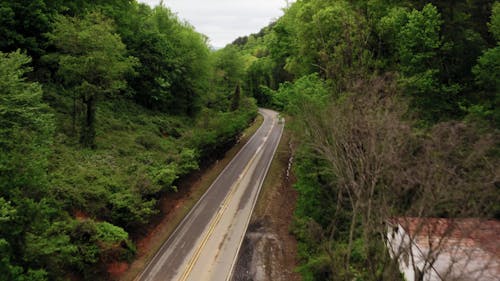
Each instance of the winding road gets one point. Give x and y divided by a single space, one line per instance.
205 245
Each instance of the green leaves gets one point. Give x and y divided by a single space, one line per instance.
97 243
174 69
308 91
26 128
92 62
166 175
419 49
7 212
110 234
494 25
487 75
331 41
23 23
90 51
419 40
487 71
229 67
65 210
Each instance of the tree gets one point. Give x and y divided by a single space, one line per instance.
230 67
26 128
305 92
487 72
22 25
174 69
236 99
229 72
362 162
260 74
419 45
92 62
331 41
419 40
494 25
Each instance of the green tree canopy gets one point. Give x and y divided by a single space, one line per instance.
174 69
26 128
487 73
92 62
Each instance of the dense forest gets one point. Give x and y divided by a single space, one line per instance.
104 106
394 111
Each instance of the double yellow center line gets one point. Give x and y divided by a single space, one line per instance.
221 211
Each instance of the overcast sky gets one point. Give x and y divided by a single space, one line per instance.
225 20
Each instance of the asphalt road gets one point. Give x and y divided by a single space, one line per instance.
206 243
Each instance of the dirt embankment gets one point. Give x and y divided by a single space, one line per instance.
269 251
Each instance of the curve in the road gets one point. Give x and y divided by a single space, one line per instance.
206 243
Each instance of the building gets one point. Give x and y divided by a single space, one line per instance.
432 249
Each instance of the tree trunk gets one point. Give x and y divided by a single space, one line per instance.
235 104
87 137
74 115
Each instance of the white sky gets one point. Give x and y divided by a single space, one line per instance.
225 20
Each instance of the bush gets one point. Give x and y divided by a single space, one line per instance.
308 90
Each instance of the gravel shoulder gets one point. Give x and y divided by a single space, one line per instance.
269 250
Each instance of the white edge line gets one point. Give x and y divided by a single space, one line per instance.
140 276
231 271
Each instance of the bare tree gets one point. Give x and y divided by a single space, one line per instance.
385 168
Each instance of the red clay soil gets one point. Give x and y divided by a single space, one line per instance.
173 206
168 204
117 268
151 236
274 211
80 215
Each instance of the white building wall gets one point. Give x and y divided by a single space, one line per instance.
411 257
452 264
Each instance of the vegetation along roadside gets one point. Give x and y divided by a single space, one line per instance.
106 107
394 108
109 108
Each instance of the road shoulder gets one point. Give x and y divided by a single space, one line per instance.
269 250
175 206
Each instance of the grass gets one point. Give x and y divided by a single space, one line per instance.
196 190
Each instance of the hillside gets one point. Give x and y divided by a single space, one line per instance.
394 111
105 107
